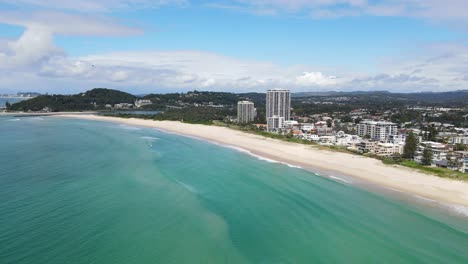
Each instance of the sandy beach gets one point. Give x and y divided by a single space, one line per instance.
309 157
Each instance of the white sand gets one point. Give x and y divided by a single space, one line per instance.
371 170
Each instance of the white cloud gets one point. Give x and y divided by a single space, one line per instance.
68 24
448 10
34 57
93 5
36 43
31 48
315 78
33 61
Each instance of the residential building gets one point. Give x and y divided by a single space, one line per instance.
366 146
275 122
459 140
324 130
278 108
389 149
307 127
142 102
123 106
376 130
245 112
397 139
439 151
291 124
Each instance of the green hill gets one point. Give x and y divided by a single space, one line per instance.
94 99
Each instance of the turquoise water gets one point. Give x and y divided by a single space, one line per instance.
75 191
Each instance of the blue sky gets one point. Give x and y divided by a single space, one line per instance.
304 45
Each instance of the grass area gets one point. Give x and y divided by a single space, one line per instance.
441 172
264 133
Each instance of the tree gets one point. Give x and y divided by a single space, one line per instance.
346 119
427 157
410 146
329 123
7 105
432 134
459 147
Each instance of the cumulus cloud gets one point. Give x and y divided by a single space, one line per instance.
36 45
315 78
34 59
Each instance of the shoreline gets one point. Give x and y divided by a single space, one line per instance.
367 170
26 114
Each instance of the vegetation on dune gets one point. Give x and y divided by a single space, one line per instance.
198 115
437 171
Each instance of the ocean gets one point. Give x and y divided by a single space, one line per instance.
4 100
78 191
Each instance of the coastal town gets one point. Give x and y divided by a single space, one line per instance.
436 144
395 128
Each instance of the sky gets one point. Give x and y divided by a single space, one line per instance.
159 46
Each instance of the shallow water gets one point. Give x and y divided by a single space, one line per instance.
76 191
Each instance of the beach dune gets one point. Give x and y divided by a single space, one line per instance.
309 157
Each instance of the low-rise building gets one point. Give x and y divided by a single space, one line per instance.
439 151
123 106
367 146
388 149
307 127
142 102
291 124
459 140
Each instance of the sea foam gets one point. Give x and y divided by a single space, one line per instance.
149 138
127 127
338 179
248 152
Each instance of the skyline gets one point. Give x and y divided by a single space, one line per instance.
238 46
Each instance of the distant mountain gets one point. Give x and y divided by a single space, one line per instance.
91 100
453 98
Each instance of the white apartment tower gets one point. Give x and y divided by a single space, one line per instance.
377 130
245 112
278 108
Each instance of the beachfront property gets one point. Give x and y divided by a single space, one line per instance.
245 112
275 123
439 151
278 108
382 149
380 130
